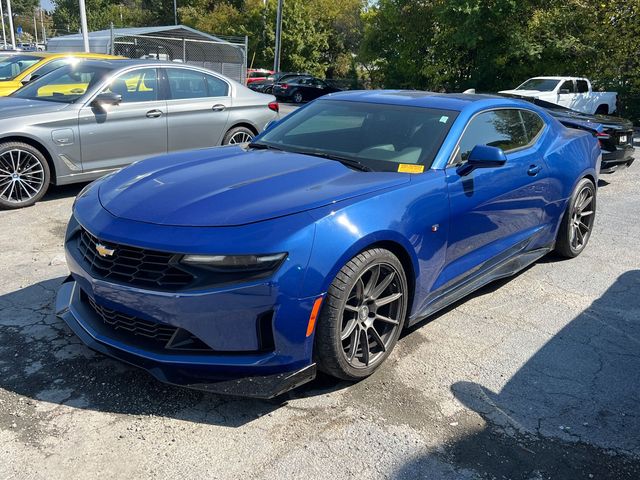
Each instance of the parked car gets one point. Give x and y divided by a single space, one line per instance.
257 74
266 85
244 269
614 134
575 93
81 121
18 70
301 89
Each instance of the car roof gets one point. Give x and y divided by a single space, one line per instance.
417 98
121 62
67 54
557 78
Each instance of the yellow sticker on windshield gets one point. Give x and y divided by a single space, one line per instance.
410 168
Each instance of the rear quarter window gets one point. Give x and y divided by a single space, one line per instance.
533 124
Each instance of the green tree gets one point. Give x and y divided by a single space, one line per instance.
318 36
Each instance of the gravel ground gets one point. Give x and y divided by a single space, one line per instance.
535 377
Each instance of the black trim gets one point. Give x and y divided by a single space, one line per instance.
504 265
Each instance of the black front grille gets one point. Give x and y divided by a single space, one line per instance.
132 265
130 324
137 330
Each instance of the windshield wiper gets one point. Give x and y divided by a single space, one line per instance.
262 146
349 162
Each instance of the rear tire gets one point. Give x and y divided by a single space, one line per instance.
297 97
24 175
238 135
365 308
578 220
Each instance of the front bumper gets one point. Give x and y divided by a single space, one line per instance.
231 375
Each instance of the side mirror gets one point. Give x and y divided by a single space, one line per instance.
107 98
483 156
564 91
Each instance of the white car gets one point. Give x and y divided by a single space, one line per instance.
571 92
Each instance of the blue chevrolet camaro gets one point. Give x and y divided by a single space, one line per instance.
244 269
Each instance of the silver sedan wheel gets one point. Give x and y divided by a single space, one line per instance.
21 176
240 137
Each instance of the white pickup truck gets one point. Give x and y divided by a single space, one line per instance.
571 92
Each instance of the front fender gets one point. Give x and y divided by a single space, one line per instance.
413 217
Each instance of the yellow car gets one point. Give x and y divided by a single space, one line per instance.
19 69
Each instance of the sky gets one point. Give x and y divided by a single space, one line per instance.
46 4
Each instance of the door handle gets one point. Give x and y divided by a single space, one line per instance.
534 170
218 108
154 113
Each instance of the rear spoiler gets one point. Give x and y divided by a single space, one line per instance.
596 129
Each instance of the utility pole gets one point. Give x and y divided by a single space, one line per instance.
13 35
4 35
35 29
83 24
276 59
44 32
175 12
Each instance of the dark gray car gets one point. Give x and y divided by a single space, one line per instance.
84 120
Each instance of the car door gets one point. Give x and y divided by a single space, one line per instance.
582 101
198 106
135 129
567 94
495 211
319 88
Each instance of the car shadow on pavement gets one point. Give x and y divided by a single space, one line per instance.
41 359
570 412
63 191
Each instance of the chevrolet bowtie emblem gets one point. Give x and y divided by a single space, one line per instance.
104 251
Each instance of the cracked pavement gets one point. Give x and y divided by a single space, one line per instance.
533 377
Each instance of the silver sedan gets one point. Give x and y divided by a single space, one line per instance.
81 121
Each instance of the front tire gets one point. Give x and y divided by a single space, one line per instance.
238 135
577 222
297 97
24 175
362 316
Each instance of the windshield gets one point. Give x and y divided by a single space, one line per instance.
539 84
65 84
380 137
11 67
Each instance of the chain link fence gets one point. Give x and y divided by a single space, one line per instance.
178 43
228 56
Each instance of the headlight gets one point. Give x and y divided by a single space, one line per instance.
236 263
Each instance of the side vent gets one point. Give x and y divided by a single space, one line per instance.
265 332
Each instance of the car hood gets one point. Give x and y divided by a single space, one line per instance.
11 107
229 186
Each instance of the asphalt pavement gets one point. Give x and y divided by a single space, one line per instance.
535 377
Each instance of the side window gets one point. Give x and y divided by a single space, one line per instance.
567 86
498 128
50 67
533 124
185 83
136 85
583 86
217 87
